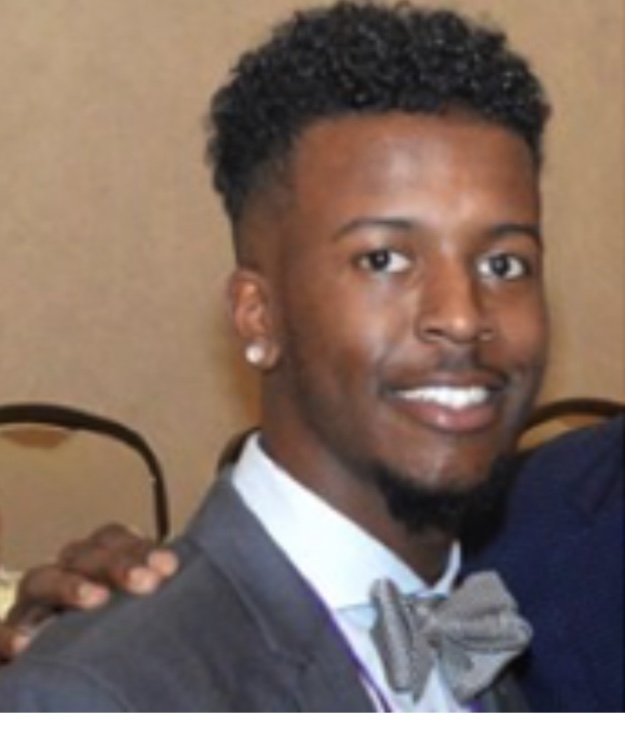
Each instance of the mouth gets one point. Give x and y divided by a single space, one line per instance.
448 396
451 408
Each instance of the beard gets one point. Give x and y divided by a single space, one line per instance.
470 513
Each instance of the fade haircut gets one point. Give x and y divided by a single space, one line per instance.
353 58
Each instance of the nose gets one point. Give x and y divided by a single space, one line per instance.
452 307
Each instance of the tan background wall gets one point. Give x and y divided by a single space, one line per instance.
113 251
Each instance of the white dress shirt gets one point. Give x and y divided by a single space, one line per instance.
340 561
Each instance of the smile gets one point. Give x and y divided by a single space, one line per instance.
448 396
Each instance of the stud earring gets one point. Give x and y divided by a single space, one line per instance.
254 353
486 335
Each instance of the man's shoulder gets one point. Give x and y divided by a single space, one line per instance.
110 659
568 490
237 629
583 469
156 652
591 442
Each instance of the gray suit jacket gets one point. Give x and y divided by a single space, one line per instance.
236 630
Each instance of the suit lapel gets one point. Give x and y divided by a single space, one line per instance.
292 624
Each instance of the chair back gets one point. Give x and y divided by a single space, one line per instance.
65 471
557 417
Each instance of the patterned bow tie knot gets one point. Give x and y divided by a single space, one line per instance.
474 634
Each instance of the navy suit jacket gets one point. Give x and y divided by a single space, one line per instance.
561 553
237 629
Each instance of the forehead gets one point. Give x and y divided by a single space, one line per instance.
428 151
441 171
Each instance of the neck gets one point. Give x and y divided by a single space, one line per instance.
425 551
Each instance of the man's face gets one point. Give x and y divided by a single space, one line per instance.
403 276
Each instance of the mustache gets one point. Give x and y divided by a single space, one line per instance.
450 364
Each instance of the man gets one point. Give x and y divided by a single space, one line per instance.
380 168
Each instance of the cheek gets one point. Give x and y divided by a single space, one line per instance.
537 339
525 330
338 347
336 323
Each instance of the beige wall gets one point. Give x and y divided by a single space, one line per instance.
113 249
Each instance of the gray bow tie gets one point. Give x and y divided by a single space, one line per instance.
474 634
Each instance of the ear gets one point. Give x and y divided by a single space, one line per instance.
252 315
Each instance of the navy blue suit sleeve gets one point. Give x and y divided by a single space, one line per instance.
561 553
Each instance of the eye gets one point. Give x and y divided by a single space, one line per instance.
503 266
384 261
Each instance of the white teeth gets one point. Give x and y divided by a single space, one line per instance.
453 398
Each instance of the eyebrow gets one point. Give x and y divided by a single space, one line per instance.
513 228
392 223
406 225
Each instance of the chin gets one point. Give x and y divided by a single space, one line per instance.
449 502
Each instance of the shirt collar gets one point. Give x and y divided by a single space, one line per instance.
337 557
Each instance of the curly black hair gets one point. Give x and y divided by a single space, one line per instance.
356 57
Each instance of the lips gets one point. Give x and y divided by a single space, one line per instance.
453 406
453 397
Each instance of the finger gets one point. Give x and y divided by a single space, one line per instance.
119 558
113 538
116 557
160 564
12 642
43 590
164 561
